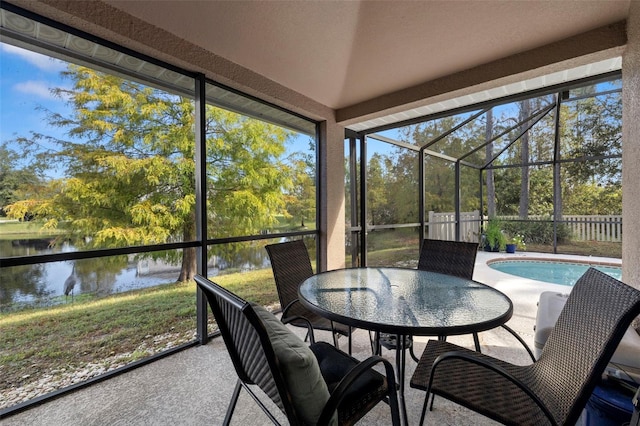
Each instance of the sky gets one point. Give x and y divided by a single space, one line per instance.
25 82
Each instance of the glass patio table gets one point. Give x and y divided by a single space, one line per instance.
405 302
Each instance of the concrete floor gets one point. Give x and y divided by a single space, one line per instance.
194 386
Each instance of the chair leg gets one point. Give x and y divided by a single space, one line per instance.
374 341
476 342
335 336
350 340
336 340
413 355
400 368
232 403
424 409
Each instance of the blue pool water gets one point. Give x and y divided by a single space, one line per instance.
564 273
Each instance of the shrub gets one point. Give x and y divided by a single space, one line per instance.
494 235
537 232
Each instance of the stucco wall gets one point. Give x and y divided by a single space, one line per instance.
631 150
332 237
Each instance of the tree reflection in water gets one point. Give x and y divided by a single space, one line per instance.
44 284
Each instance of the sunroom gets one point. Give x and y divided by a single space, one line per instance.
253 157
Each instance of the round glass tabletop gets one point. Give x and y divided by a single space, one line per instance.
405 301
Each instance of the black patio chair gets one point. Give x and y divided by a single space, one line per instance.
555 388
455 258
291 266
316 384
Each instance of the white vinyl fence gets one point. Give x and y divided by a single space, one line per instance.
598 228
441 226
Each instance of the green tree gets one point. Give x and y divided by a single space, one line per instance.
593 198
129 168
301 200
15 182
378 208
592 128
439 176
402 186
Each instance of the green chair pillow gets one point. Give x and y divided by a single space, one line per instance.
300 368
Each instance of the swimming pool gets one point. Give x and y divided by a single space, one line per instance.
555 272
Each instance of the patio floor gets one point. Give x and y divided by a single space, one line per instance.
194 386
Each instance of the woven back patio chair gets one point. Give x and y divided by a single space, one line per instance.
291 266
311 385
554 389
455 258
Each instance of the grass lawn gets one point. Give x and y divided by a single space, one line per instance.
110 331
11 230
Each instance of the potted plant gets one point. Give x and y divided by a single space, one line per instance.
515 242
495 240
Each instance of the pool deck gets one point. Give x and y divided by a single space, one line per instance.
525 292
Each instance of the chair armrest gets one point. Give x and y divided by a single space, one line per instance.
522 342
362 367
285 310
307 323
496 369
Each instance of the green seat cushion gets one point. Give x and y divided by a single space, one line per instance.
309 392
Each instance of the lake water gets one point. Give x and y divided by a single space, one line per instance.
45 284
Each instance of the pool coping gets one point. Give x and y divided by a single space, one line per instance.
608 262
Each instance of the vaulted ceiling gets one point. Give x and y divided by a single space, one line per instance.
341 53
